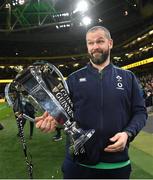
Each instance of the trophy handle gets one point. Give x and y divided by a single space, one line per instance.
54 69
8 98
60 75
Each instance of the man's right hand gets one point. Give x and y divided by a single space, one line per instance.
46 123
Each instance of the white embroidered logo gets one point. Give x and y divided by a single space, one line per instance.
119 78
119 83
82 80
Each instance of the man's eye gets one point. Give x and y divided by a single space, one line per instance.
100 42
90 43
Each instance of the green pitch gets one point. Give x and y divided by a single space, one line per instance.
47 156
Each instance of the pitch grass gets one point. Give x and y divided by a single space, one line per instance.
47 156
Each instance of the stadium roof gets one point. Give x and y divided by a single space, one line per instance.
37 24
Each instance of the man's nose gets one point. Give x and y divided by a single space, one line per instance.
95 46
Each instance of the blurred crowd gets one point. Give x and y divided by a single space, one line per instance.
147 87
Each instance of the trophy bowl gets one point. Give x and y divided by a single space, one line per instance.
48 91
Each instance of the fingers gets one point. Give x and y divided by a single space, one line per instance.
41 117
50 126
116 147
115 138
38 123
119 140
46 123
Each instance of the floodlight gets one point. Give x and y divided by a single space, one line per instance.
81 6
86 20
18 2
21 2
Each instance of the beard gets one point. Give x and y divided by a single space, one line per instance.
99 57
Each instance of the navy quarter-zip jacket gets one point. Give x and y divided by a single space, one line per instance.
109 102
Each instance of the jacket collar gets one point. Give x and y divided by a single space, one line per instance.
95 70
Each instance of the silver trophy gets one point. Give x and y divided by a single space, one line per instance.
47 90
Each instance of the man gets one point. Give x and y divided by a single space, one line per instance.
29 111
58 136
1 126
107 99
22 105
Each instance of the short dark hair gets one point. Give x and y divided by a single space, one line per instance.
95 28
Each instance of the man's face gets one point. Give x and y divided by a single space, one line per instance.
99 46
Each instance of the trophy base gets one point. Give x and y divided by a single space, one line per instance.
77 146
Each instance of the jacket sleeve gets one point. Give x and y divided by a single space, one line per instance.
138 109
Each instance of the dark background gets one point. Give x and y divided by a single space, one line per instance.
31 32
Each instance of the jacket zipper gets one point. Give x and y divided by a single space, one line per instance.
101 99
101 74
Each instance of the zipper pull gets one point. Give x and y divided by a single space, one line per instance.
101 74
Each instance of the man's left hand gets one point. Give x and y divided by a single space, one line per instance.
120 140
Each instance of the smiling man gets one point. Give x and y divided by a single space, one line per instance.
107 99
99 46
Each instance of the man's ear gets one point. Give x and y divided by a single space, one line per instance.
111 44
